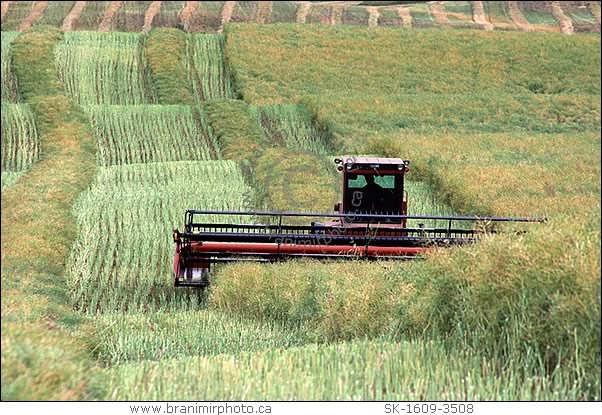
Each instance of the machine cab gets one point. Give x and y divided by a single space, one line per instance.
372 186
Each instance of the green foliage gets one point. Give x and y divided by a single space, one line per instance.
207 67
44 359
422 201
165 50
41 356
104 68
335 300
293 126
354 117
20 144
9 178
361 370
162 335
284 63
151 133
502 298
295 180
515 317
507 298
503 174
540 16
33 60
239 135
513 296
9 81
341 301
288 177
123 257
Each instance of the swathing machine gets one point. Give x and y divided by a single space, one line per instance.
370 222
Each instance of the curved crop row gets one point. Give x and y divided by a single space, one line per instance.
210 75
291 126
151 133
169 75
282 184
20 144
123 256
41 357
104 68
9 82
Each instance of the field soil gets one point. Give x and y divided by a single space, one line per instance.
566 25
518 18
34 16
150 14
186 15
264 10
374 15
405 15
438 11
303 8
110 12
73 15
4 8
478 15
226 14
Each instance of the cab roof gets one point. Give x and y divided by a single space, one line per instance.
371 162
374 160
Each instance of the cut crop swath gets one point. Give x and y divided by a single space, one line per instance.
208 70
9 82
182 334
151 133
123 256
291 126
20 144
358 370
104 68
